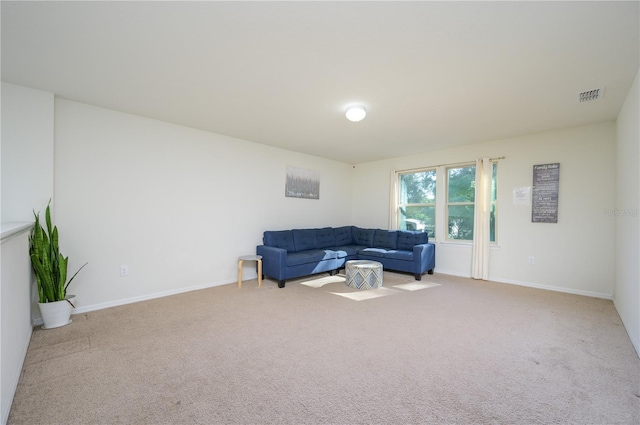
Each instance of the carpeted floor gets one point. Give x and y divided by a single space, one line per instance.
458 352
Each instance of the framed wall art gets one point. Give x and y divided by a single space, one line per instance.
544 196
302 183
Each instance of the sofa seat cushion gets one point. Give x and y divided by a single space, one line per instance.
310 256
400 255
373 252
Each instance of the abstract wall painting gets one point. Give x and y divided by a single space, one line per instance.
302 183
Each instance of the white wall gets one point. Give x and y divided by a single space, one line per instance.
27 152
575 255
177 205
627 283
27 184
15 322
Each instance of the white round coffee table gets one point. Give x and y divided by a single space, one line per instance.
363 274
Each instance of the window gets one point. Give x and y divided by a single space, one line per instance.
417 202
461 186
494 203
441 201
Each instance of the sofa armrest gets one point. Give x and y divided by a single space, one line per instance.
424 257
274 261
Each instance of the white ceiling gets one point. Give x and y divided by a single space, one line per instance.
431 74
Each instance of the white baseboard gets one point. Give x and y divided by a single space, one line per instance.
452 273
125 301
536 285
555 288
94 307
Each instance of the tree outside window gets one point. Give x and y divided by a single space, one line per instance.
461 187
494 203
461 190
417 202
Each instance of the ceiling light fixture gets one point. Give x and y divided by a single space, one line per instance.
356 113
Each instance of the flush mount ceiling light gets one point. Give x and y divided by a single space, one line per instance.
356 113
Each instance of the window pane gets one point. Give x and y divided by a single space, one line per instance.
461 222
494 201
492 223
462 184
419 218
494 183
418 188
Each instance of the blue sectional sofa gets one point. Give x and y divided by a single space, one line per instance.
287 254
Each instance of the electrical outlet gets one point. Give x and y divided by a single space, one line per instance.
124 271
532 260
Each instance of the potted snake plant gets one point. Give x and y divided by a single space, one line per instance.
50 268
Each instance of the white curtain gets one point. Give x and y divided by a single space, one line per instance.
393 199
480 257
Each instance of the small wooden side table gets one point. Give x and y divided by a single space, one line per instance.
244 258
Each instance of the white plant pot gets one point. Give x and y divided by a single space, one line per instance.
57 313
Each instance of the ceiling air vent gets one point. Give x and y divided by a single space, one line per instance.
593 94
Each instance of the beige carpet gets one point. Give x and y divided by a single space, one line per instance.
464 352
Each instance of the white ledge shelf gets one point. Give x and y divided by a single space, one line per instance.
15 227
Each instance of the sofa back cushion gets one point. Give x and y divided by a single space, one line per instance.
304 239
325 238
343 235
407 239
279 239
385 239
363 236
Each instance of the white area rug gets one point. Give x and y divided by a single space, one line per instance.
319 283
415 286
367 294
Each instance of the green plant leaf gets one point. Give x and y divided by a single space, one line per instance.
48 216
74 275
49 265
61 276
